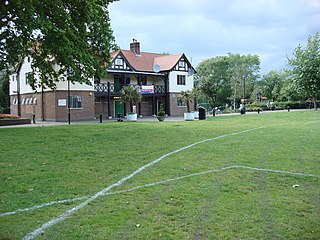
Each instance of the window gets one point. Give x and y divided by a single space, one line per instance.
35 101
181 103
143 80
181 64
119 62
27 75
75 102
13 78
15 101
97 99
23 100
181 80
27 101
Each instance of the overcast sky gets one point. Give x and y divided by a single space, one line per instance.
203 29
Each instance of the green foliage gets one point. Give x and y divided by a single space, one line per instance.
130 94
187 97
161 112
4 93
226 79
262 106
74 35
271 84
305 66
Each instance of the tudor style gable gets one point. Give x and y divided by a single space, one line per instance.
119 62
183 65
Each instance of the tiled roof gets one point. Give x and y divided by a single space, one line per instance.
145 61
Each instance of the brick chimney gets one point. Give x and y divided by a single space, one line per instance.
135 46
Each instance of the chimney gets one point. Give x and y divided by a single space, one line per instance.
135 46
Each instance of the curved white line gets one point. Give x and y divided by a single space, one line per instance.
54 221
158 183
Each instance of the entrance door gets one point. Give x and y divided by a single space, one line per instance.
118 108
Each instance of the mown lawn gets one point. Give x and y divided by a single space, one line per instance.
44 164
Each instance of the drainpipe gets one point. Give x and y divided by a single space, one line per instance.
42 103
18 94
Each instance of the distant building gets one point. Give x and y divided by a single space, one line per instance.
160 78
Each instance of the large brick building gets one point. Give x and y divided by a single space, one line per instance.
160 78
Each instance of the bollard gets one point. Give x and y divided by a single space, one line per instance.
100 118
34 119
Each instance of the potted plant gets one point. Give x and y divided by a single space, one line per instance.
187 97
131 95
161 114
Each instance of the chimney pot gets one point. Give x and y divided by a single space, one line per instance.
135 46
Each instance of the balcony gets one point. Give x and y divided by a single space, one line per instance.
115 90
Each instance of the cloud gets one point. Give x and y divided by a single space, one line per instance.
207 28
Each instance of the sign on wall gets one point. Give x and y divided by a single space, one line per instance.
62 102
147 89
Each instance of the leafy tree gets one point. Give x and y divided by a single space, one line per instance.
4 93
213 80
271 84
74 35
305 66
244 72
187 97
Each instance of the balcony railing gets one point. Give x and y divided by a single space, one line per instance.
103 88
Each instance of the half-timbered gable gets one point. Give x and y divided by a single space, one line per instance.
121 63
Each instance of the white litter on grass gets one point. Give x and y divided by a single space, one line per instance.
54 221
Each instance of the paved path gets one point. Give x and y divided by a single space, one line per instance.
142 119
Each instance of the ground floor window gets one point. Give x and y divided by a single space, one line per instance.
75 102
181 103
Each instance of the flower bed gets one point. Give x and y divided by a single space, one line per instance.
11 119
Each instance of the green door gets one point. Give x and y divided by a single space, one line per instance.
119 108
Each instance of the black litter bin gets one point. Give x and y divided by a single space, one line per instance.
119 117
202 113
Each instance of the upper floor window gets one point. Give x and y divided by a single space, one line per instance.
75 102
181 79
119 62
27 76
182 64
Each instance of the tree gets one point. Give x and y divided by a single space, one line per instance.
272 83
4 93
187 97
213 80
244 72
305 66
226 78
130 94
74 35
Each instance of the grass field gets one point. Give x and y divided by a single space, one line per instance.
46 164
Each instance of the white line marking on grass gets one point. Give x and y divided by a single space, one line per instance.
43 205
54 221
158 183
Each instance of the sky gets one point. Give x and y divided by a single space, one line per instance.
203 29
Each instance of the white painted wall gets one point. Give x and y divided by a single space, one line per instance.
173 87
25 87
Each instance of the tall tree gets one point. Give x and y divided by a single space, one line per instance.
271 84
72 34
213 80
243 72
305 66
4 92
